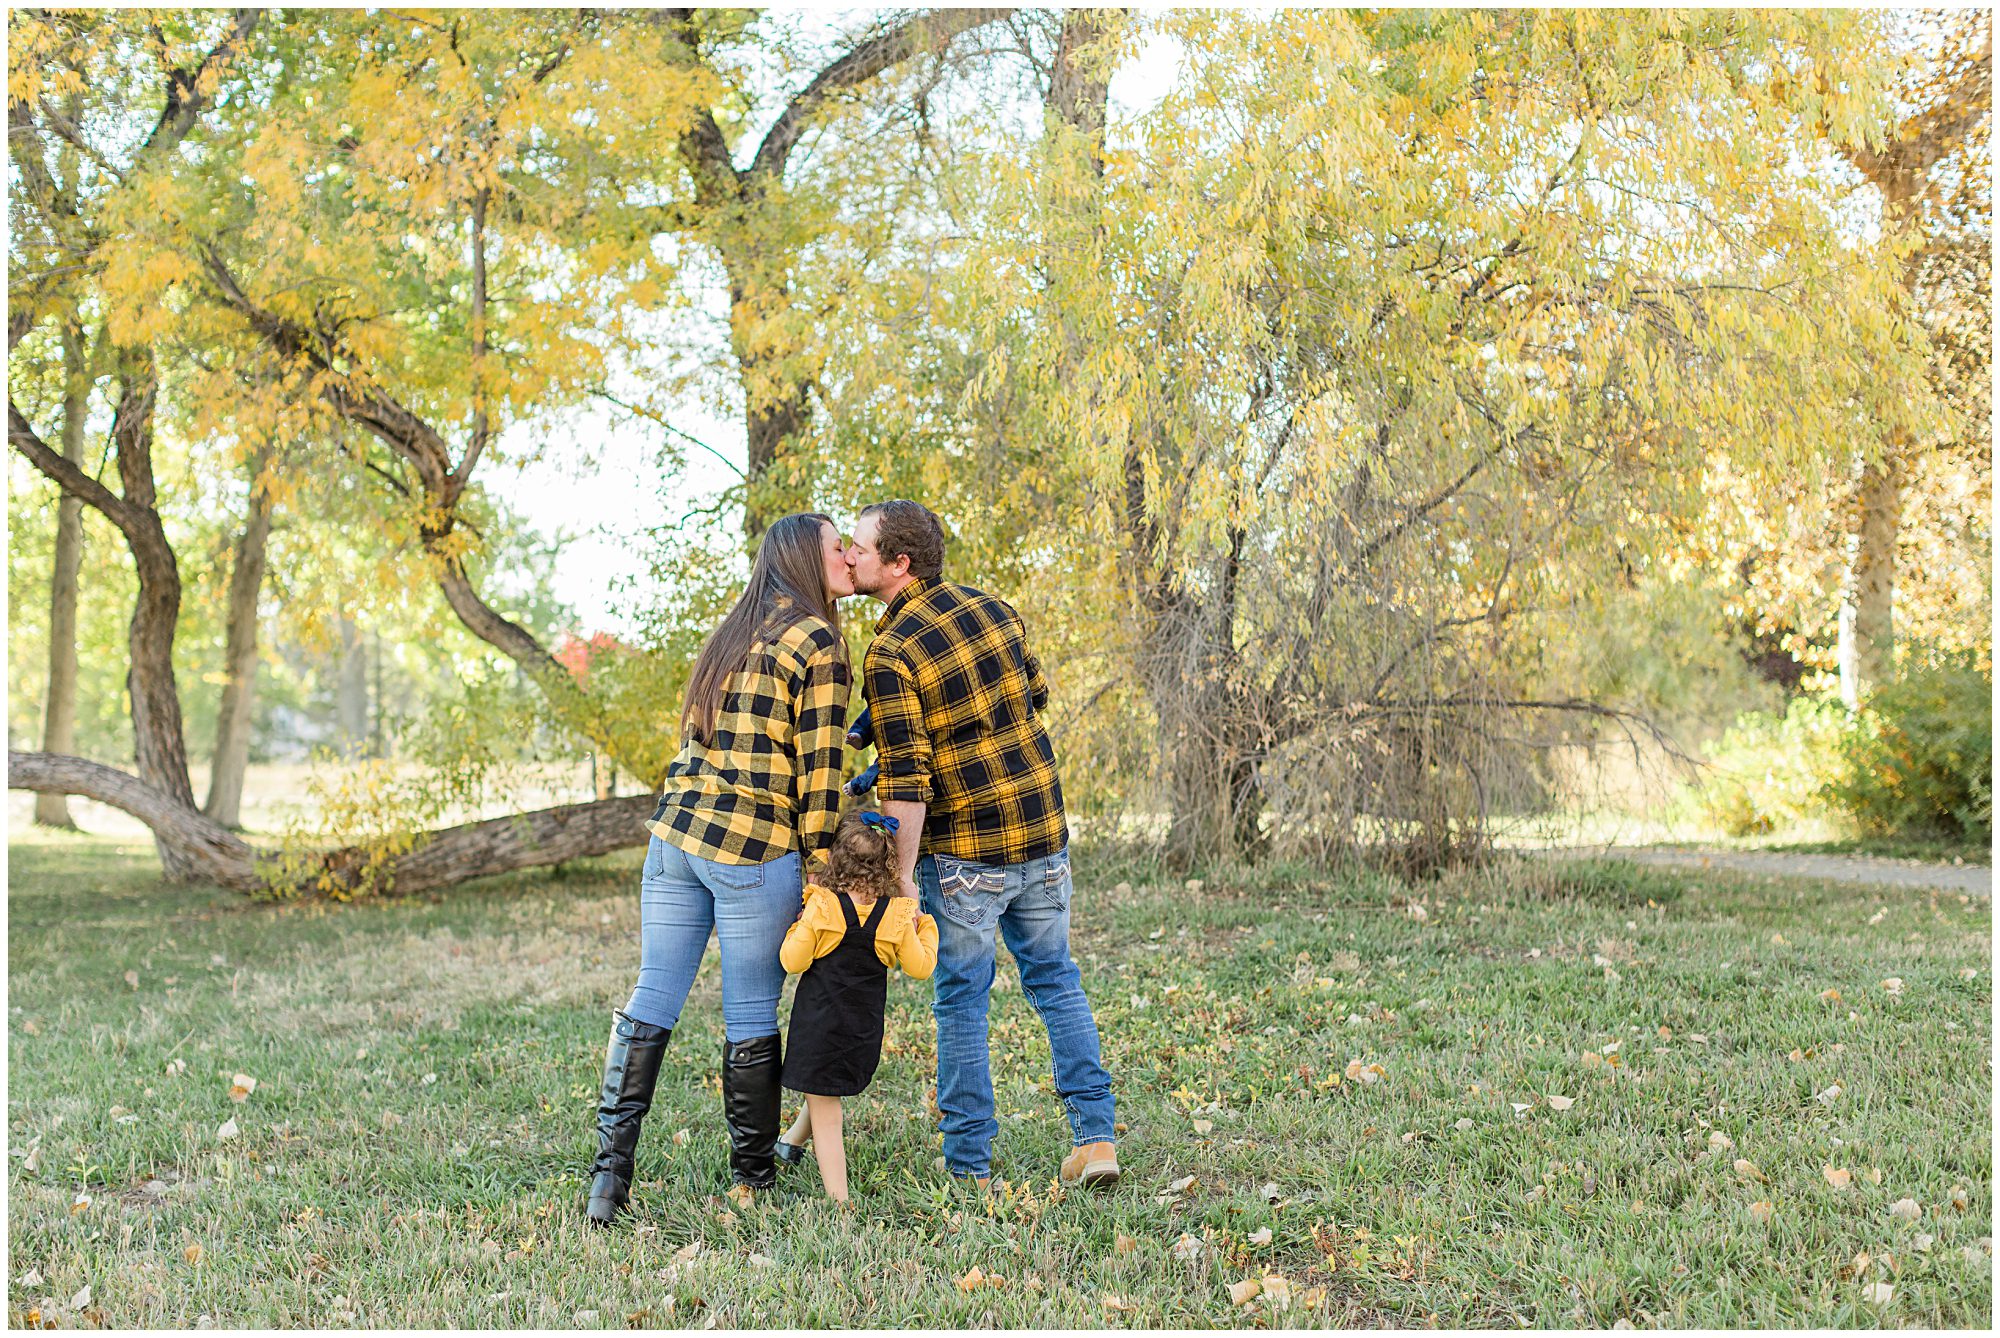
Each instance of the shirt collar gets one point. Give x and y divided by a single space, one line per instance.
916 587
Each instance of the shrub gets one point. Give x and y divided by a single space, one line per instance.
1918 759
1768 772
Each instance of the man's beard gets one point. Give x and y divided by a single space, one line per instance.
862 586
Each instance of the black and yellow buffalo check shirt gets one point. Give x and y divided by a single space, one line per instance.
955 690
769 783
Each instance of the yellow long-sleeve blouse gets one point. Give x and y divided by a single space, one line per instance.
905 936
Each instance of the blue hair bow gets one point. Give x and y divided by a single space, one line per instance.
881 822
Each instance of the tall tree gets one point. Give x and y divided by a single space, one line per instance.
1937 148
239 690
59 719
761 236
1392 350
58 57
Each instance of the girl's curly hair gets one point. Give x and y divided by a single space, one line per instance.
862 860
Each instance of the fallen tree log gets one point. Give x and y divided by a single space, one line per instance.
439 858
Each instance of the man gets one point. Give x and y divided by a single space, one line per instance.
969 776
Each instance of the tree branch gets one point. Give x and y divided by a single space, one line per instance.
926 34
187 98
64 473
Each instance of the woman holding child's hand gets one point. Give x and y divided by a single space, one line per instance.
753 792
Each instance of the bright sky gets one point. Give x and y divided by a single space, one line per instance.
597 481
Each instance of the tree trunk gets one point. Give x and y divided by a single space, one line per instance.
232 726
159 747
776 403
213 854
59 727
1869 636
351 693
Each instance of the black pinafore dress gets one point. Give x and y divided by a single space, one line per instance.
836 1037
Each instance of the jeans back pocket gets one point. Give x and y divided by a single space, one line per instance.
969 892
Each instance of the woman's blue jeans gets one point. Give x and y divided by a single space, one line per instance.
749 906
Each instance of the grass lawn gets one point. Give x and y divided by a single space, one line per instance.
1603 1093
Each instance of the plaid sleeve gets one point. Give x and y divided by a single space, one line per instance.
1038 687
819 739
901 744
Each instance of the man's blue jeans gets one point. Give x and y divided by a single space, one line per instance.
749 906
1029 903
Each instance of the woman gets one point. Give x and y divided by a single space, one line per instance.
754 792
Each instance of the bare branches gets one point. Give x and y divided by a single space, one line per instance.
927 34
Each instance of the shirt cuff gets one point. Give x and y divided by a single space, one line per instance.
904 789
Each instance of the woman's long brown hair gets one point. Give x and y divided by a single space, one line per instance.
787 585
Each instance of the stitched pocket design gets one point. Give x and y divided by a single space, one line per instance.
969 891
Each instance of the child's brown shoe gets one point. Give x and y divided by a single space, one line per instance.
1093 1166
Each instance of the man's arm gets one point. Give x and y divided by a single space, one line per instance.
903 747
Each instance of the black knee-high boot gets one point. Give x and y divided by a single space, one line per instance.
750 1100
631 1069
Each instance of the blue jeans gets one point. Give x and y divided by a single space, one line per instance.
750 906
1030 904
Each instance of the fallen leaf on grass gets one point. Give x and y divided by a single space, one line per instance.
132 979
686 1253
1364 1073
31 1278
680 1137
1959 1199
1117 1304
241 1086
973 1280
1761 1211
81 1299
761 1260
1748 1170
1838 1176
1561 1102
1720 1142
1829 996
1521 1108
742 1195
79 1203
1278 1291
176 1067
1874 1174
1922 1242
194 1253
1261 1236
1204 1126
1244 1292
1181 1185
1464 1123
1893 985
227 1131
1878 1293
1187 1248
1124 1244
1905 1210
1830 1095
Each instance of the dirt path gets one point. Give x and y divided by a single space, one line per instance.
1973 878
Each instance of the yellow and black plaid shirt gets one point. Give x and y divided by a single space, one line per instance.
955 690
769 783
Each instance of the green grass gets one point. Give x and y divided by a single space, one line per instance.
361 1191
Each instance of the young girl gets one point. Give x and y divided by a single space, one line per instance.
851 931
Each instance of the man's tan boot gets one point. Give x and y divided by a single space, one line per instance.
1093 1166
